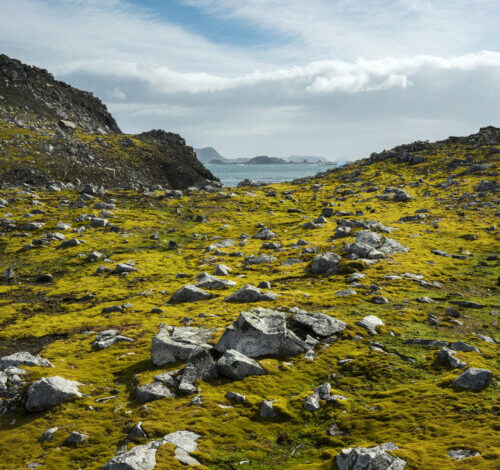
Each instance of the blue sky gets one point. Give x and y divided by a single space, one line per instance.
337 78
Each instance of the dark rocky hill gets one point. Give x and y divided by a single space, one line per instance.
50 131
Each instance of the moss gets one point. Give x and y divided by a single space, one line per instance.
389 398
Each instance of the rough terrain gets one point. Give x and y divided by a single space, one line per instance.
369 332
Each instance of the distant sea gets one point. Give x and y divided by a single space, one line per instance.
232 174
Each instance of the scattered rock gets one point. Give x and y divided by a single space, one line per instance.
260 332
249 293
372 458
371 322
266 409
473 379
190 293
50 391
235 365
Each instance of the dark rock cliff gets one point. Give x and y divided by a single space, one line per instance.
51 131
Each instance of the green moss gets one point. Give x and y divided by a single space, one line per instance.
389 398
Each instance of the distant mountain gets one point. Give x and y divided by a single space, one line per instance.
209 155
306 159
264 160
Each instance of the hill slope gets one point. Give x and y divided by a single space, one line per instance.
50 131
399 251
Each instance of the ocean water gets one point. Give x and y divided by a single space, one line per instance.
233 173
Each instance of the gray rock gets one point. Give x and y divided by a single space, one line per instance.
371 322
312 403
372 458
138 458
98 222
122 268
23 358
50 391
153 391
107 338
345 293
137 432
249 293
460 454
379 300
260 259
177 345
207 281
190 293
473 379
235 365
260 332
47 435
264 234
75 439
266 409
372 245
236 397
447 357
326 263
318 323
200 366
32 226
222 270
185 442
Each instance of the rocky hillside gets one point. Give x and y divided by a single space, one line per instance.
348 321
51 132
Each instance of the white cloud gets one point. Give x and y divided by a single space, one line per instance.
338 78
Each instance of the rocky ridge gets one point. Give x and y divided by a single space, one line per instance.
52 134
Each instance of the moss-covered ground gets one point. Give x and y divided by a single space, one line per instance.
389 398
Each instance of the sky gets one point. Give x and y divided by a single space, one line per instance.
333 78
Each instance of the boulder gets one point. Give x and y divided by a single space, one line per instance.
177 344
473 379
236 397
107 338
447 357
260 332
371 322
141 457
266 409
326 263
50 391
312 403
200 366
153 391
372 458
23 358
190 293
264 234
75 439
235 365
222 270
208 281
318 323
260 259
249 293
185 442
372 245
